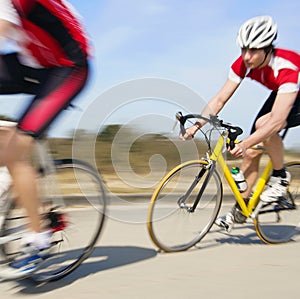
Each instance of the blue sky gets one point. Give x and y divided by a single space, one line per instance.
190 42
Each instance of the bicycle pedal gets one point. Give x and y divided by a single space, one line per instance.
58 221
238 216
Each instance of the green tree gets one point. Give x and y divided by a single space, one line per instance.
108 133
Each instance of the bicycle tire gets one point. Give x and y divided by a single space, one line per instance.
173 228
279 222
75 191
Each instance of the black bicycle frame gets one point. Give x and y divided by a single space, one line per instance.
182 199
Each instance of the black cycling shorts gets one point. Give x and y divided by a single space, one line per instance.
293 119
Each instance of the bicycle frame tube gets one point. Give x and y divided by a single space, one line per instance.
247 210
183 198
260 186
201 173
43 157
233 186
218 157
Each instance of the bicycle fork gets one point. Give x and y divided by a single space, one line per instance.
182 200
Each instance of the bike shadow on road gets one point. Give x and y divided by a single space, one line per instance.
102 259
245 234
241 234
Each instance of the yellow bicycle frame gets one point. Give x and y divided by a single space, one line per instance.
253 201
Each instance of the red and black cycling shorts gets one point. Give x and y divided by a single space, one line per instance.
53 89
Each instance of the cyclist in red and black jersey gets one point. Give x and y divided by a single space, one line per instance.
52 65
278 70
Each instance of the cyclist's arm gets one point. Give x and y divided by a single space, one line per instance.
270 123
214 106
5 26
9 19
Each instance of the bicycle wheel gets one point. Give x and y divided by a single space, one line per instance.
73 207
173 227
279 222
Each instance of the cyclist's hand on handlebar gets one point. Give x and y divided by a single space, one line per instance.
239 150
189 133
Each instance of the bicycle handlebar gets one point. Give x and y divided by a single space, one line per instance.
233 131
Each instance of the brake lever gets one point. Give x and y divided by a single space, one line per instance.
234 132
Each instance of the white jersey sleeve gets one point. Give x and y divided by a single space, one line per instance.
234 77
8 12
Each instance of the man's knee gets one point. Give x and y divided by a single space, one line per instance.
254 153
18 149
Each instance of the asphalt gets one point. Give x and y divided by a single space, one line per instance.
126 264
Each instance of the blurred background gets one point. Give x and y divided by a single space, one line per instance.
152 58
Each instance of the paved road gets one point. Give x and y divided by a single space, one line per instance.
125 265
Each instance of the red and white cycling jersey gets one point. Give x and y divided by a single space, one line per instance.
48 32
281 74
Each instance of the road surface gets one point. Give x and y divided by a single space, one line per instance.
125 264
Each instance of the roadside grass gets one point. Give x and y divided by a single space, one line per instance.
139 169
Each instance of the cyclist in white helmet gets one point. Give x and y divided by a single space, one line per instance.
278 70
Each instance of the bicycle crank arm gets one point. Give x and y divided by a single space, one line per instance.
275 209
256 211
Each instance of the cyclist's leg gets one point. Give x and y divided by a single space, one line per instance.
12 82
16 147
250 167
54 90
280 178
250 164
17 156
57 89
275 149
293 119
274 144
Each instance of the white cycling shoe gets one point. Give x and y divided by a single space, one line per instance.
276 188
30 259
226 221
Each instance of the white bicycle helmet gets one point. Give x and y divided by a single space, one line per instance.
257 33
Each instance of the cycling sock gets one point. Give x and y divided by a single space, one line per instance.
279 173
